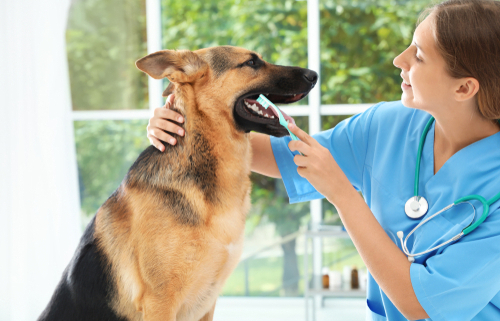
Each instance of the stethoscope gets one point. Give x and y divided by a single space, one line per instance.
417 206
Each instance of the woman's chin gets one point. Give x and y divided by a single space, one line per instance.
407 101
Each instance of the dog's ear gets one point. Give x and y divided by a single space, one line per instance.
170 89
180 66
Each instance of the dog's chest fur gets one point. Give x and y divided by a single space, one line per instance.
210 282
174 229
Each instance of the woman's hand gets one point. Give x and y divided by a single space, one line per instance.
318 166
159 124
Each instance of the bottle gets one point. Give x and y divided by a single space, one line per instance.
335 278
325 278
354 278
346 278
362 279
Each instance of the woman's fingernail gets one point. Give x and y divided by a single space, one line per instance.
172 141
180 132
180 119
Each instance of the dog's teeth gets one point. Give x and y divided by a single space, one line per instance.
266 116
272 116
294 95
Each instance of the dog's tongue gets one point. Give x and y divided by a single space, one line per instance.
290 119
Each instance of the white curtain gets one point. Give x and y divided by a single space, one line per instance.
39 201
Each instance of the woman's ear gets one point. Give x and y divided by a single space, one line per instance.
179 66
467 88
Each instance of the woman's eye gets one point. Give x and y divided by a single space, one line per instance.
251 63
418 59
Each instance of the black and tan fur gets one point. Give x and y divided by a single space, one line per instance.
163 244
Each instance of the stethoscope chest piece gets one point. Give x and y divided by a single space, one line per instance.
416 207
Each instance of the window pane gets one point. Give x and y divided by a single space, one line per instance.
359 40
105 151
104 38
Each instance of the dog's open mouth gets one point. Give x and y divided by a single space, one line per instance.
258 113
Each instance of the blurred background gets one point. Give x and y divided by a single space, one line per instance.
350 42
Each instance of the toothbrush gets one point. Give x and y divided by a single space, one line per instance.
266 103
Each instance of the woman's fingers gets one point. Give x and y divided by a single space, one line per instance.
170 99
167 113
302 135
304 144
158 134
172 115
161 123
300 146
300 161
156 143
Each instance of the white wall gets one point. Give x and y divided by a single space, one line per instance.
39 201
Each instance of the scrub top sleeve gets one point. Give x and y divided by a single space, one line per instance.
459 282
348 144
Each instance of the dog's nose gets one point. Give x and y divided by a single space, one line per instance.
311 76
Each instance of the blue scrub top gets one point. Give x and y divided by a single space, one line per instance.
377 150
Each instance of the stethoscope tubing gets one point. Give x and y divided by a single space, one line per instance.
419 154
472 225
453 239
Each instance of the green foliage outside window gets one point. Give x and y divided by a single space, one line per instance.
103 39
105 150
359 40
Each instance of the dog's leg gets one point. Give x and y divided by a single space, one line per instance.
156 307
209 316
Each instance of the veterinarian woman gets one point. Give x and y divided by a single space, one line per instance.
449 107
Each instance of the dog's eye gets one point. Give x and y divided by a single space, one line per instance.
251 62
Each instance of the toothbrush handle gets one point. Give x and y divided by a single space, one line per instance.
293 135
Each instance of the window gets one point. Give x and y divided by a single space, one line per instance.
357 41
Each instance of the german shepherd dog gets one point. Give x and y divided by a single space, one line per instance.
163 244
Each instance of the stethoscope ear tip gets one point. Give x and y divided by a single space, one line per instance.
411 259
400 234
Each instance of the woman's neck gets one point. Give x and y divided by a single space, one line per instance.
456 130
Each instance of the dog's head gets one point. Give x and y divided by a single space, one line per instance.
228 80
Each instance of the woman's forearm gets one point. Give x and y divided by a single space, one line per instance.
386 262
263 161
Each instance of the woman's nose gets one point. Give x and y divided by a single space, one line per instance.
400 62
